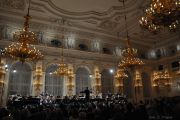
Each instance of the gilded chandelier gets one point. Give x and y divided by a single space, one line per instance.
62 69
24 35
167 78
130 57
160 78
161 13
120 76
23 50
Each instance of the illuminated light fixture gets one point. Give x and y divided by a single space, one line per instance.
156 77
138 79
14 70
129 55
2 72
111 71
167 78
161 78
62 69
119 77
38 74
161 13
70 74
97 75
6 66
70 85
50 73
22 50
97 83
120 74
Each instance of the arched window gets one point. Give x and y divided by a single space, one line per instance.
53 84
146 81
82 80
107 82
20 79
128 86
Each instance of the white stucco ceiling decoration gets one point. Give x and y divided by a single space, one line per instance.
97 16
83 8
91 19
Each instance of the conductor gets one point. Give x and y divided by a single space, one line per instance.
87 93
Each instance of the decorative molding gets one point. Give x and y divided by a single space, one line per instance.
49 6
104 13
69 53
13 4
108 24
91 22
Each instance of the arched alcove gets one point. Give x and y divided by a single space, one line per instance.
107 82
20 79
82 79
53 84
128 86
146 81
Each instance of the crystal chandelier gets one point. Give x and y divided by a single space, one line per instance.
167 78
25 35
120 74
161 78
22 50
62 69
129 54
130 57
156 77
161 13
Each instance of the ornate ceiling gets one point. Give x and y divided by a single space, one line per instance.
87 20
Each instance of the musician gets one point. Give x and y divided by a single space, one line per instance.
87 93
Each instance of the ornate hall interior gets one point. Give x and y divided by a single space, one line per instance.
61 47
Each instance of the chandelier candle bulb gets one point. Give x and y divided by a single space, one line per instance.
162 13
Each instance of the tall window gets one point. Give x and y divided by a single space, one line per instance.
146 81
53 84
82 80
128 86
107 82
20 79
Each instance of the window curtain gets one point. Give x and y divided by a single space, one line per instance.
53 84
82 80
20 79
